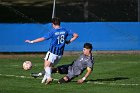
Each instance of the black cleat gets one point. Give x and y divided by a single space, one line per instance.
35 75
60 81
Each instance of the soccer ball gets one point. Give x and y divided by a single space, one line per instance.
27 65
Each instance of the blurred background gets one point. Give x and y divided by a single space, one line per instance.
70 10
107 24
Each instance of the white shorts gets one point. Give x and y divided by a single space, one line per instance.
54 59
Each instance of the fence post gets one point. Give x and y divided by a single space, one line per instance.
138 10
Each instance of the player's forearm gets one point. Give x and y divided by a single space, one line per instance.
84 78
38 40
74 37
87 73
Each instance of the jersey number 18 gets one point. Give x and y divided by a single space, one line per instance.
60 39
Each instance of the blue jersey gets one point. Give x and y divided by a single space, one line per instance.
58 37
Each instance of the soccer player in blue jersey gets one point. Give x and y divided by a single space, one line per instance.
58 36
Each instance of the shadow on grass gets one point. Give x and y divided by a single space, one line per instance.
105 79
109 79
99 80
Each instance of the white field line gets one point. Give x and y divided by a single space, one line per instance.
118 62
20 76
14 76
97 83
121 84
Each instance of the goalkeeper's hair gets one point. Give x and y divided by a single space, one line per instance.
88 46
56 21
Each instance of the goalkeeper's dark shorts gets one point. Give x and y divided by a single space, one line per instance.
63 69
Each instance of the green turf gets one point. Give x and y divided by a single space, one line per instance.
113 73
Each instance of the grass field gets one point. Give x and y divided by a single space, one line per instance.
113 73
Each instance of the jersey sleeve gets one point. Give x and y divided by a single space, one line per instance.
70 32
90 64
48 35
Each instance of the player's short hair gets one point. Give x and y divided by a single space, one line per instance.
56 21
88 46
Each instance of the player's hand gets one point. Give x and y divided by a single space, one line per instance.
67 41
80 81
28 41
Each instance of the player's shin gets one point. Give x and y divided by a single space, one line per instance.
47 74
44 78
47 77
